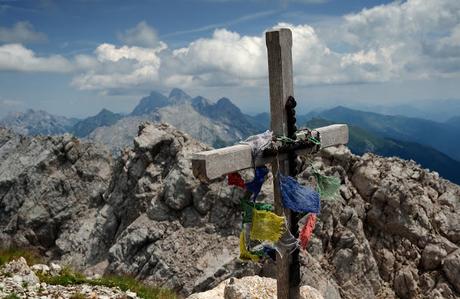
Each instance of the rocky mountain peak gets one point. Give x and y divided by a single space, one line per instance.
393 230
178 96
150 103
200 102
86 126
105 111
227 105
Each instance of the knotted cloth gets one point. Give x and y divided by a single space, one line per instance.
298 198
287 242
307 230
266 226
255 185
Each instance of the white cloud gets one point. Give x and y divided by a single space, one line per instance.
118 68
225 58
142 35
415 39
15 57
21 32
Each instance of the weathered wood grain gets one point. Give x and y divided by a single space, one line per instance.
210 165
280 77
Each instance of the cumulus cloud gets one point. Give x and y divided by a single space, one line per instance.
415 39
15 57
226 58
118 67
141 35
21 32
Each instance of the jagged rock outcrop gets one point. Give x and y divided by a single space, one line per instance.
145 214
170 229
394 230
46 184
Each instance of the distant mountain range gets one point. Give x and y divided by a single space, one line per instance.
432 144
454 121
436 110
441 136
363 141
32 122
218 124
104 118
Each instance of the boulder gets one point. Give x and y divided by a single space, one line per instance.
251 287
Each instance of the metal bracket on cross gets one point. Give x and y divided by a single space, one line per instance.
210 165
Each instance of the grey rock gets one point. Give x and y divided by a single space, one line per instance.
451 268
405 285
432 256
20 271
393 228
43 192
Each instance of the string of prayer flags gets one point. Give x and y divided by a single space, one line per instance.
255 185
248 206
298 198
235 179
307 230
244 253
266 226
327 186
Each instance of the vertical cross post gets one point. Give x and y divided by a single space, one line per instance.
280 75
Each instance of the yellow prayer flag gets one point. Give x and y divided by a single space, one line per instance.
266 226
244 253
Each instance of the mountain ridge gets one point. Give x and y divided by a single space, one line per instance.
104 118
362 141
219 124
426 132
37 122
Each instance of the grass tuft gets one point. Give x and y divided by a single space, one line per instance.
9 254
77 295
12 296
124 283
70 277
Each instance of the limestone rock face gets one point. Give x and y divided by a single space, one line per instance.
392 231
20 272
47 184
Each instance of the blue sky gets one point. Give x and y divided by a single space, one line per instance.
75 57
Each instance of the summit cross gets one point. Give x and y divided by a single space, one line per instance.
213 164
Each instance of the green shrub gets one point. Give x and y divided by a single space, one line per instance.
12 296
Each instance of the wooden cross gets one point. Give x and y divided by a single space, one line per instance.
213 164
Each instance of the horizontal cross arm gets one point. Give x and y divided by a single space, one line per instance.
213 164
